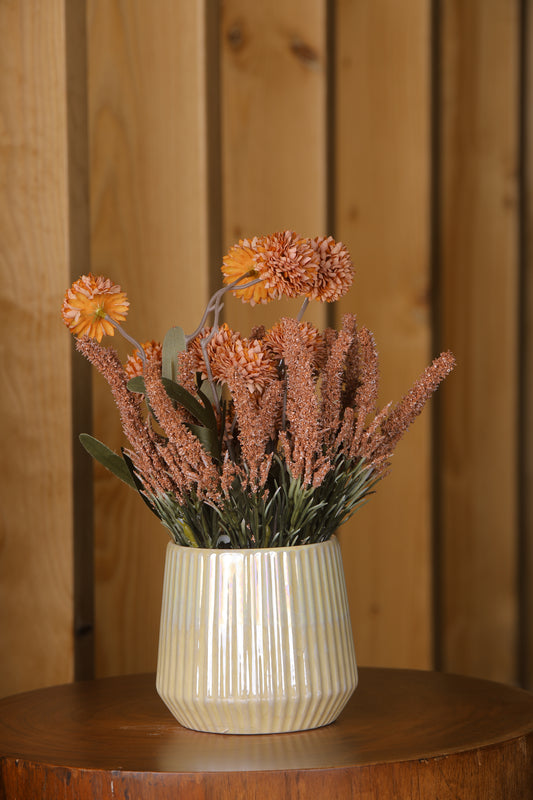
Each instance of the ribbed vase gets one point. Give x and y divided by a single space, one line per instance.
255 641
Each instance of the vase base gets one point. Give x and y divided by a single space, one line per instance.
258 717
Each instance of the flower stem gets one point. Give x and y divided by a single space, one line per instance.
126 336
215 302
302 310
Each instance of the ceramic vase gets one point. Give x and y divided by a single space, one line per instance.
255 641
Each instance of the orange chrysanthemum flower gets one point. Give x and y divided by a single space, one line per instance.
228 352
335 271
224 338
249 360
274 340
87 304
134 365
287 263
239 261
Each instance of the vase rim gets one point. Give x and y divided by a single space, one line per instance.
253 550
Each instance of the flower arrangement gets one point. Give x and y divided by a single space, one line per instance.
268 441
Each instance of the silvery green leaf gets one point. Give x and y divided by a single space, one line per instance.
180 395
109 459
173 343
208 438
176 392
137 385
209 409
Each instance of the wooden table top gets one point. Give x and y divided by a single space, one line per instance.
120 726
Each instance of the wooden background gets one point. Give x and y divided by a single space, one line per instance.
140 139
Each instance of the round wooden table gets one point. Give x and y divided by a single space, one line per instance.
404 734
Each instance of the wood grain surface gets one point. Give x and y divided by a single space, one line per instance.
382 179
274 131
526 364
478 265
39 224
404 734
150 204
403 129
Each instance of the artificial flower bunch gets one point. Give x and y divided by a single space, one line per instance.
268 441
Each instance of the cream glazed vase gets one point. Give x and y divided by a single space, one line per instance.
255 641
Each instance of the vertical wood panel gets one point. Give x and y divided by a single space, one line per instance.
382 202
274 96
479 291
36 580
150 217
526 365
79 238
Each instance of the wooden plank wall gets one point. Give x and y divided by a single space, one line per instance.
478 280
43 226
150 212
382 212
401 128
526 360
274 99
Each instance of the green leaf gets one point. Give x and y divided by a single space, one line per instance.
137 385
180 395
110 460
173 343
206 388
176 392
209 410
208 438
137 483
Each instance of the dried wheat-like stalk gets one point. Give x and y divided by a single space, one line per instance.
107 362
301 442
189 463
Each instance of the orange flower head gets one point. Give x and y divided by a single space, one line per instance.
335 271
90 302
223 339
287 263
134 365
240 261
249 360
228 352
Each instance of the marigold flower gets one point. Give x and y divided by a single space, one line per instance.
335 272
134 365
240 260
87 304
